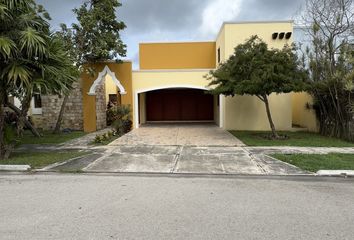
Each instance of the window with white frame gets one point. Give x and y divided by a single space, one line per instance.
36 104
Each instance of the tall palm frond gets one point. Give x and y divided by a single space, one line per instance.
32 20
7 47
17 74
4 12
32 43
17 4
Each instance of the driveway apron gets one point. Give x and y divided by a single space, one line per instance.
184 148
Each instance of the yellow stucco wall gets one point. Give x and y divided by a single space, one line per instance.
142 109
240 112
303 116
236 34
110 88
248 112
144 81
89 102
188 55
220 44
123 72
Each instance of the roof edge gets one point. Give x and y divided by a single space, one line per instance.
251 22
178 42
173 70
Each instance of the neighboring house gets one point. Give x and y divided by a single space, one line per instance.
170 87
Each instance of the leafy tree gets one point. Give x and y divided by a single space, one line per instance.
31 59
95 38
330 62
256 70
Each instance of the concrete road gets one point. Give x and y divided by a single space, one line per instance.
161 207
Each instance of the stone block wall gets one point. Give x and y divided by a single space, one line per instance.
73 115
38 121
101 107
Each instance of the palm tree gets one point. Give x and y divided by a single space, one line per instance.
31 59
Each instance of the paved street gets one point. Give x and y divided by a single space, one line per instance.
141 207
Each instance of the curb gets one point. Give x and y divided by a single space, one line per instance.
15 167
342 173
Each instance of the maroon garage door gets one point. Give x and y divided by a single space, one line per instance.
179 105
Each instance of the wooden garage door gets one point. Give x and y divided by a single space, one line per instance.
179 105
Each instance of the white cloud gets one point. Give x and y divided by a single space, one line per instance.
217 12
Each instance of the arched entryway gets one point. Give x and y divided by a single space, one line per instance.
179 104
113 83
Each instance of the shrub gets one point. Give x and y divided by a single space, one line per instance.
98 139
104 137
110 134
121 118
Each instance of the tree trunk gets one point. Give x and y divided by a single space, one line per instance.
22 117
26 122
61 115
266 102
2 125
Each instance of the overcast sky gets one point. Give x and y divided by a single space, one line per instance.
178 20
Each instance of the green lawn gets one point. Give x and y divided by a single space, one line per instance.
299 139
40 159
315 162
49 137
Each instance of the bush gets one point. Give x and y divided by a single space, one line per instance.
120 118
104 137
110 116
98 139
110 134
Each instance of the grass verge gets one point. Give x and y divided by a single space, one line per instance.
49 137
40 159
316 162
297 139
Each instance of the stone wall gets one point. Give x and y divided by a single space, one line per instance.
73 115
101 106
38 121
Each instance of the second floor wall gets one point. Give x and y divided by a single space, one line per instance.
207 55
233 34
183 55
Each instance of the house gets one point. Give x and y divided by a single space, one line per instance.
170 86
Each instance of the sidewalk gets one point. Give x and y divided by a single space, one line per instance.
299 150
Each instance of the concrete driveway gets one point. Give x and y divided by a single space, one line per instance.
178 135
179 148
187 159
